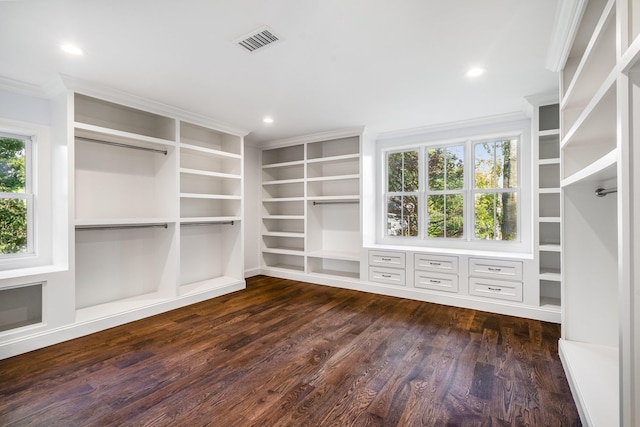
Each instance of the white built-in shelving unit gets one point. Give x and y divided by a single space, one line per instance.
155 213
548 244
311 206
599 126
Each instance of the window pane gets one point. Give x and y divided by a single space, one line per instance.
394 216
507 164
455 168
435 168
12 165
402 216
484 167
454 215
394 170
506 216
13 226
435 211
484 209
410 172
410 210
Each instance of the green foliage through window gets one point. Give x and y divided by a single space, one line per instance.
13 198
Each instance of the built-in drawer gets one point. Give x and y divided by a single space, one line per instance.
499 289
495 269
386 259
388 276
436 281
438 263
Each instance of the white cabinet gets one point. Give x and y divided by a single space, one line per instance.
311 206
155 214
495 278
436 272
599 127
387 267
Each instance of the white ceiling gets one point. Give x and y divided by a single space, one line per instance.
386 64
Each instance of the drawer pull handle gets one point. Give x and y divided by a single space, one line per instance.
434 263
385 259
434 281
494 289
494 269
386 276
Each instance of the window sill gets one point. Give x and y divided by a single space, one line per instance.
453 251
31 271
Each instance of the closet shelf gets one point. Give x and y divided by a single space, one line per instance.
337 255
334 178
354 198
547 135
550 247
208 196
84 130
553 161
283 217
553 275
598 394
605 94
212 219
210 152
284 251
335 159
603 169
283 164
188 171
120 306
545 190
551 304
549 219
283 234
283 181
631 56
598 34
207 285
108 222
284 199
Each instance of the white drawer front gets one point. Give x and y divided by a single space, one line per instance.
435 281
441 263
388 259
388 276
499 289
496 269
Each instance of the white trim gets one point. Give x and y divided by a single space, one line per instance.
568 16
314 137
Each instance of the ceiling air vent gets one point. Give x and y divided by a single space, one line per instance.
258 39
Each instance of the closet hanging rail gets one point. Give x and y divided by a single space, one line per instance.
337 202
601 192
184 224
119 227
119 144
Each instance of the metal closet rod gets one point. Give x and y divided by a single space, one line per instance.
120 227
119 144
338 202
601 192
184 224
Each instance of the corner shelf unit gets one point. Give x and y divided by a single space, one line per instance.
311 206
548 227
599 91
158 209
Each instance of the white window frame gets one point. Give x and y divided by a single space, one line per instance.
493 131
28 194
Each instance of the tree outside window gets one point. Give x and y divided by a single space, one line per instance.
445 192
15 197
402 193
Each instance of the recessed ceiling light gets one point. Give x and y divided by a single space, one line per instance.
71 49
475 72
268 120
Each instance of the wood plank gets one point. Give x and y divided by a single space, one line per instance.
290 353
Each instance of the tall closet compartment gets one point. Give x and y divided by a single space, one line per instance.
599 138
311 207
153 199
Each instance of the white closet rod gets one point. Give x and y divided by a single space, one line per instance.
601 192
340 202
119 227
184 224
119 144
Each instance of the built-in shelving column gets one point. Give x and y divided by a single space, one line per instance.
125 215
589 347
283 214
210 208
549 234
333 208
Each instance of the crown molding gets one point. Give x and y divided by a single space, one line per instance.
315 137
568 16
23 88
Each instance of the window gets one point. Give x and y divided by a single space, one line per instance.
466 191
16 197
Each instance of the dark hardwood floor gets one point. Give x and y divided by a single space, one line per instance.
285 353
